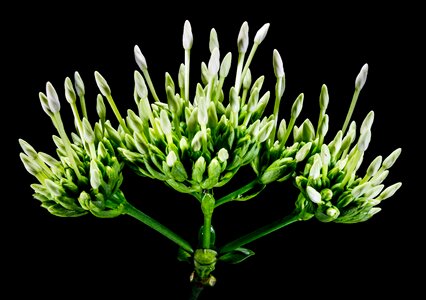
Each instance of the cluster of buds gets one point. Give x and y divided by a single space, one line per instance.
87 175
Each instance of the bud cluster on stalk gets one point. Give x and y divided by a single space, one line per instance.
86 175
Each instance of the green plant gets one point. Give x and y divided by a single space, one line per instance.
196 144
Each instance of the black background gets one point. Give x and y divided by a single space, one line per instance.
57 258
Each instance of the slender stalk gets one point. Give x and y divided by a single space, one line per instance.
260 232
117 113
150 85
351 110
247 65
157 226
187 61
235 194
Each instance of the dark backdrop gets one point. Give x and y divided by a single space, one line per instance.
54 257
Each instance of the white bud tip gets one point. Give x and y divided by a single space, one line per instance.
261 33
52 98
140 59
362 77
187 38
243 38
214 62
278 64
313 194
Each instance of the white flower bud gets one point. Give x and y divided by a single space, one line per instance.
389 191
303 152
214 62
390 160
140 85
313 194
364 141
226 65
361 78
140 59
102 84
223 155
297 106
79 84
261 33
187 38
278 64
367 123
69 91
243 38
213 42
52 98
171 158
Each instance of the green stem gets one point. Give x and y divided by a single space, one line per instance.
117 113
247 65
235 194
150 85
157 226
207 231
187 60
351 110
258 233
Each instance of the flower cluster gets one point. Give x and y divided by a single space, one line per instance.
87 176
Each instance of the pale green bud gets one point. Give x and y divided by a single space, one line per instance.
315 171
140 85
30 165
187 38
100 107
196 142
181 76
364 140
207 204
226 65
261 104
313 194
368 121
243 38
79 84
183 144
172 100
265 131
140 143
223 155
69 91
261 34
324 98
54 188
326 194
303 152
374 191
390 160
199 169
88 133
323 126
253 99
202 111
95 175
213 41
361 189
374 166
389 191
171 158
234 100
325 155
247 79
140 59
52 98
282 128
214 62
214 169
102 84
379 177
278 64
361 78
165 123
297 106
212 115
258 84
204 73
28 149
45 104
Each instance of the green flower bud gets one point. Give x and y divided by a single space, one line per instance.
140 59
79 84
243 38
140 143
166 126
323 126
204 73
187 38
95 175
315 171
202 111
214 62
183 144
261 105
45 104
326 194
390 160
226 65
100 107
171 158
52 98
374 166
213 41
361 189
324 98
278 64
28 149
199 169
374 191
277 170
389 191
207 204
214 169
223 155
379 177
325 155
361 78
247 80
253 100
88 134
181 76
282 128
212 115
364 141
265 131
297 106
261 33
69 91
102 84
196 142
30 165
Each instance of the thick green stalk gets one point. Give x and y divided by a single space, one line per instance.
237 193
157 226
258 233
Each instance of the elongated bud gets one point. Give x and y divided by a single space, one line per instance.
278 64
389 191
69 91
181 76
89 135
222 155
297 106
361 78
367 123
226 65
79 84
261 33
30 165
102 84
202 111
247 80
171 158
140 59
213 42
315 171
390 160
100 107
95 175
364 140
214 169
214 63
28 149
303 152
325 155
165 122
140 85
52 98
199 169
196 142
323 126
313 194
324 98
265 131
243 38
45 104
374 166
187 38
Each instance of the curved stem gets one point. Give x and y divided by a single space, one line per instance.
235 194
157 226
258 233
